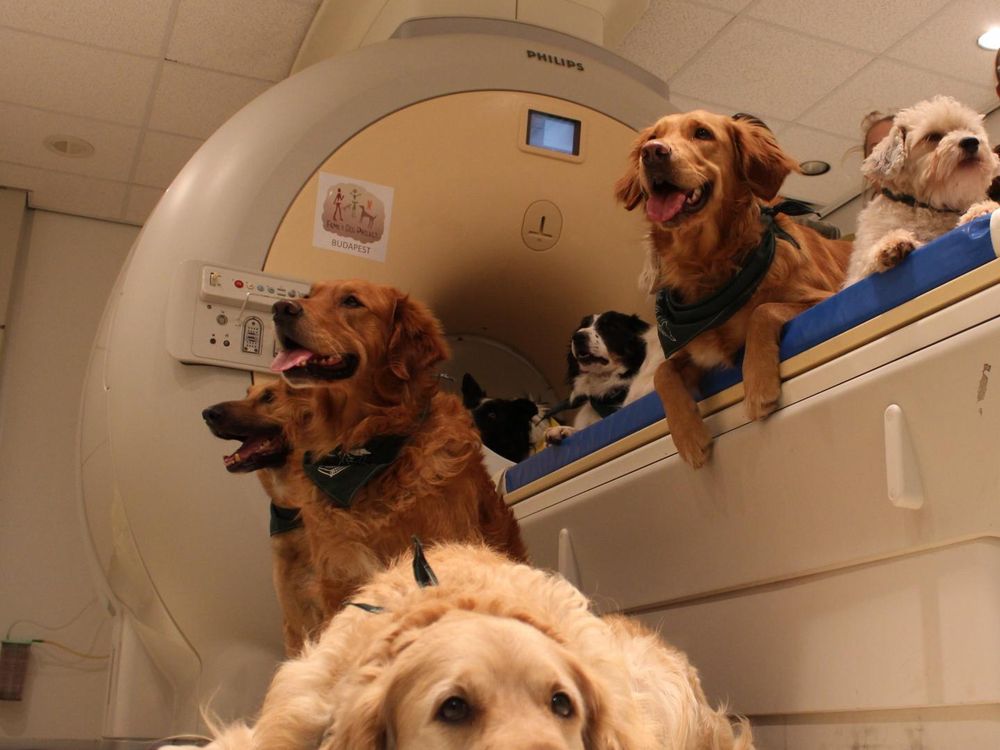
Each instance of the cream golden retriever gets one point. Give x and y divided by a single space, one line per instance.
366 355
496 655
704 180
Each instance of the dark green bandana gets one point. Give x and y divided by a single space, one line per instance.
340 474
677 324
284 520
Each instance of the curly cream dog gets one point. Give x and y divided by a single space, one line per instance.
496 655
932 170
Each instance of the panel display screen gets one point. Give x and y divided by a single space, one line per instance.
553 132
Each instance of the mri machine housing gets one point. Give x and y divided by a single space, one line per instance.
180 547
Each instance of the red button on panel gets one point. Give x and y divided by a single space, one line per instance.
238 284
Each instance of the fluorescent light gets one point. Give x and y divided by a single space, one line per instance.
991 39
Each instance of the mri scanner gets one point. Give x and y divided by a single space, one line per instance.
833 572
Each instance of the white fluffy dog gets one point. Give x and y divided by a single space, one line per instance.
484 654
932 171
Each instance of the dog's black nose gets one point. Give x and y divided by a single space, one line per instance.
212 414
580 341
286 309
655 152
969 145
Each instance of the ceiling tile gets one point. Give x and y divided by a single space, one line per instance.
161 157
194 102
887 85
257 38
757 67
731 6
68 193
947 44
873 26
140 203
23 129
687 103
842 154
669 34
137 26
74 78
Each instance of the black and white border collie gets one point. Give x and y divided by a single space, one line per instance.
611 362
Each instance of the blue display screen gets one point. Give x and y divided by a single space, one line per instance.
554 133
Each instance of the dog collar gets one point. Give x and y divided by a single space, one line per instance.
284 520
605 405
677 324
340 474
909 200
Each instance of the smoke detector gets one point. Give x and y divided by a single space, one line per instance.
69 145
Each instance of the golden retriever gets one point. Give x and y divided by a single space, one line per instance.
495 655
266 422
366 354
703 179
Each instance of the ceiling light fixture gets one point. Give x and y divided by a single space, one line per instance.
990 39
814 167
69 145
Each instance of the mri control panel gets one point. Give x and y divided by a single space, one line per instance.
226 320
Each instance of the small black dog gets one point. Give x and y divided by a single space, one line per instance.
509 427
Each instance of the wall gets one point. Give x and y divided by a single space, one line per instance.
62 278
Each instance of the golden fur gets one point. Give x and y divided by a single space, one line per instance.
277 406
505 639
740 166
437 488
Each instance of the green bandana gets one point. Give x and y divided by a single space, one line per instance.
677 323
284 520
340 474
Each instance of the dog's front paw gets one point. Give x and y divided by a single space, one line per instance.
892 249
693 443
761 396
978 209
555 435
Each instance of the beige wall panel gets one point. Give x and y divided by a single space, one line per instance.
461 186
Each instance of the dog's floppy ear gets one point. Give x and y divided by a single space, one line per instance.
887 158
525 407
760 159
416 341
628 190
472 392
362 724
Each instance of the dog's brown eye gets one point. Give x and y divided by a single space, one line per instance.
266 397
703 134
351 301
454 710
934 137
562 705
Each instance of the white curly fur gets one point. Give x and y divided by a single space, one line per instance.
940 174
338 694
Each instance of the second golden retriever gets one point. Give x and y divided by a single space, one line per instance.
388 455
705 182
495 655
266 423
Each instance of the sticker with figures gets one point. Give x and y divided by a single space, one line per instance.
352 216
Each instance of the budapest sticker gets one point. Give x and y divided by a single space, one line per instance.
352 216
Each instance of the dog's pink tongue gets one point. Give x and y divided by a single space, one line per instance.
664 207
288 360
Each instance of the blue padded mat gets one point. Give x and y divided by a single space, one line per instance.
938 262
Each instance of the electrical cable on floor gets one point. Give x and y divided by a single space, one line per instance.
80 654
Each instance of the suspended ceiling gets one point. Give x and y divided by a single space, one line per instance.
146 81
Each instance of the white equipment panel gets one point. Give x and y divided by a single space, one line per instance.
228 321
